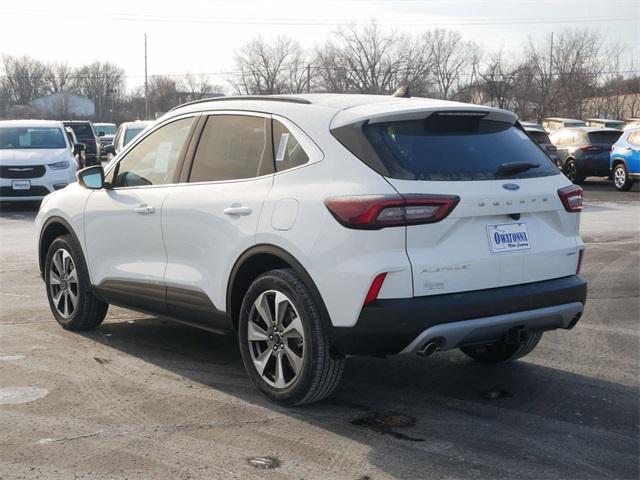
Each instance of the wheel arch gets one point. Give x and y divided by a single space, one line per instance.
53 228
257 260
616 160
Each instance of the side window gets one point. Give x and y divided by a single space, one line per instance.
117 136
153 161
288 151
634 139
233 147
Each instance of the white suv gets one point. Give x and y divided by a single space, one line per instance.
36 158
320 226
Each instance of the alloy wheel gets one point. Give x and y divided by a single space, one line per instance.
276 339
571 171
63 283
619 177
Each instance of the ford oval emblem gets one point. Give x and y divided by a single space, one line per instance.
511 186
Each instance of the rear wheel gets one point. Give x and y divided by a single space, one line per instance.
621 178
572 172
284 343
68 288
503 352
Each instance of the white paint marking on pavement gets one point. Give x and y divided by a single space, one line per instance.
17 395
10 358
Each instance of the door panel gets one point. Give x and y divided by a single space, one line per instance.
124 236
208 222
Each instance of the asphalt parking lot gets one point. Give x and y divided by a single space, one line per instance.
145 398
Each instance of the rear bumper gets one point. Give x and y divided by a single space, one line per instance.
390 326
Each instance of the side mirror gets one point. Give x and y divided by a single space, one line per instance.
101 134
109 149
91 177
78 147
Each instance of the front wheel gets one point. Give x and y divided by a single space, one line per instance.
502 351
68 287
284 344
621 178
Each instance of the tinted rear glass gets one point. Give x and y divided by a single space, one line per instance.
608 138
107 129
82 130
539 137
455 147
31 137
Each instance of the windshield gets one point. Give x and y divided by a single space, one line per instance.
106 128
131 133
31 137
456 147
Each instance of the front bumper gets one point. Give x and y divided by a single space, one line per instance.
40 187
389 326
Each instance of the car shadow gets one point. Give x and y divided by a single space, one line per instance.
445 416
19 210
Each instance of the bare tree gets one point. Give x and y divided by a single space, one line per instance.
499 79
267 68
24 78
163 93
60 77
101 82
451 56
578 64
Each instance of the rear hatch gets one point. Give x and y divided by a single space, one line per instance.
509 226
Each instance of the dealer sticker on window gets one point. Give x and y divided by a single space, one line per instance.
508 237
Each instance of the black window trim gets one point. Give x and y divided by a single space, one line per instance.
181 156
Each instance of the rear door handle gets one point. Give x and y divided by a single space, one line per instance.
237 210
144 209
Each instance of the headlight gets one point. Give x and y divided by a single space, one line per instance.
59 165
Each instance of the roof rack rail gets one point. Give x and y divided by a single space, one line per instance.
269 98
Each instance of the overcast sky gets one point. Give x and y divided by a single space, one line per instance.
200 36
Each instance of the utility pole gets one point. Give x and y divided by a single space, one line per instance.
308 78
551 57
146 83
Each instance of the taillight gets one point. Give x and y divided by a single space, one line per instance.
571 198
374 290
580 256
373 212
591 148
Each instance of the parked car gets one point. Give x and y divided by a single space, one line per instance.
540 136
105 132
605 123
321 226
86 134
584 152
126 132
36 159
553 124
77 148
632 122
625 160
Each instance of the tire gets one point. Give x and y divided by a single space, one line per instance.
572 172
308 371
86 312
503 352
621 179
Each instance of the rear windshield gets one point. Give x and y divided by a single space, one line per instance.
31 137
456 147
539 137
131 133
82 130
608 138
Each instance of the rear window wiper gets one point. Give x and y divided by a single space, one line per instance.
515 167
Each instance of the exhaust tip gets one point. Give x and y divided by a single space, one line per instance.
429 348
